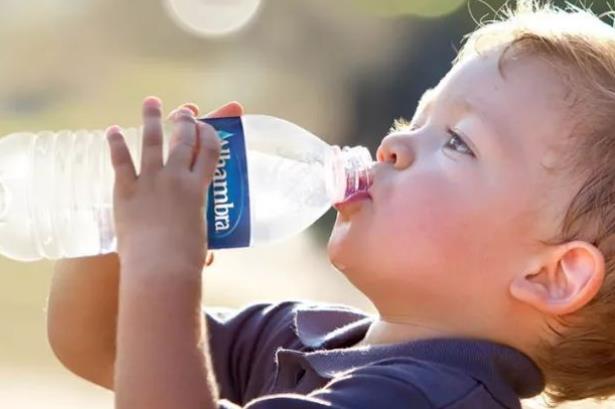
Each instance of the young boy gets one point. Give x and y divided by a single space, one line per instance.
486 245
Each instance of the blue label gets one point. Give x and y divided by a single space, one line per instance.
228 198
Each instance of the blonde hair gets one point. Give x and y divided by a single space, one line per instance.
580 46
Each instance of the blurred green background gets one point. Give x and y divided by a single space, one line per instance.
343 69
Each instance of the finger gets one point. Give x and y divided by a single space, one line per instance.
209 259
185 137
181 111
151 152
120 157
192 107
230 109
209 153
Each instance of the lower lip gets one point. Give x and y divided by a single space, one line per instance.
353 198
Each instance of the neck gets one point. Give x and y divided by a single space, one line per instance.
389 330
393 329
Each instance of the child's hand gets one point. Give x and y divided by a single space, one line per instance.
159 212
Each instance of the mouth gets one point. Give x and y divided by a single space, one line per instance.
357 198
352 201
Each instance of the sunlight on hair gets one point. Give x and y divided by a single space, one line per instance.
212 17
579 45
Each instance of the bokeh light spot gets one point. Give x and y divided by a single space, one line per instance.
212 17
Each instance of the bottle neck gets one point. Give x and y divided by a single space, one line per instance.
348 171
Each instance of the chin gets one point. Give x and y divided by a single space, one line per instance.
353 264
348 247
346 251
335 251
338 239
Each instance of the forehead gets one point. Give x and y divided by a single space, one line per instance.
524 98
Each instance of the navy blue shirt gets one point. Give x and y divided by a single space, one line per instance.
295 355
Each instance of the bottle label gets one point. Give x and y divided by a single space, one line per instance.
228 198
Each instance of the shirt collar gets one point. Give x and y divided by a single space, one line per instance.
330 332
323 326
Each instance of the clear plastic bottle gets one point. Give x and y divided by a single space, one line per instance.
56 188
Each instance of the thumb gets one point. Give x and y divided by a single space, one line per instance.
229 109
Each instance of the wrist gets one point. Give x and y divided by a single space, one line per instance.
175 292
169 248
152 269
152 256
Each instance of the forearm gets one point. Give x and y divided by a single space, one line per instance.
81 315
162 345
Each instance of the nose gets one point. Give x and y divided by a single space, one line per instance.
396 150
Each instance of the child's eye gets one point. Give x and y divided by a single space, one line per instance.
456 143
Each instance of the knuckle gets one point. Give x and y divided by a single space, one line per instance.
123 190
118 156
122 168
172 177
152 138
123 172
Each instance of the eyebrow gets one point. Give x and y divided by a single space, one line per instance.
499 133
426 99
429 96
496 129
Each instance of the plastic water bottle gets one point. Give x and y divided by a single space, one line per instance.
273 180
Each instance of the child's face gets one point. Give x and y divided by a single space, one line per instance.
445 231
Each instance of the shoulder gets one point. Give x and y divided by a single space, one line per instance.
440 385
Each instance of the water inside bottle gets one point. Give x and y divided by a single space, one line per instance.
280 206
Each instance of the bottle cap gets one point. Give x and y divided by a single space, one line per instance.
350 171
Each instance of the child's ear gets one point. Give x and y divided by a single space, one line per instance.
563 281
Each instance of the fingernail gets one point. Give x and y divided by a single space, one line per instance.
153 102
192 107
152 108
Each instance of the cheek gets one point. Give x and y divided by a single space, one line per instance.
435 233
437 226
422 223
